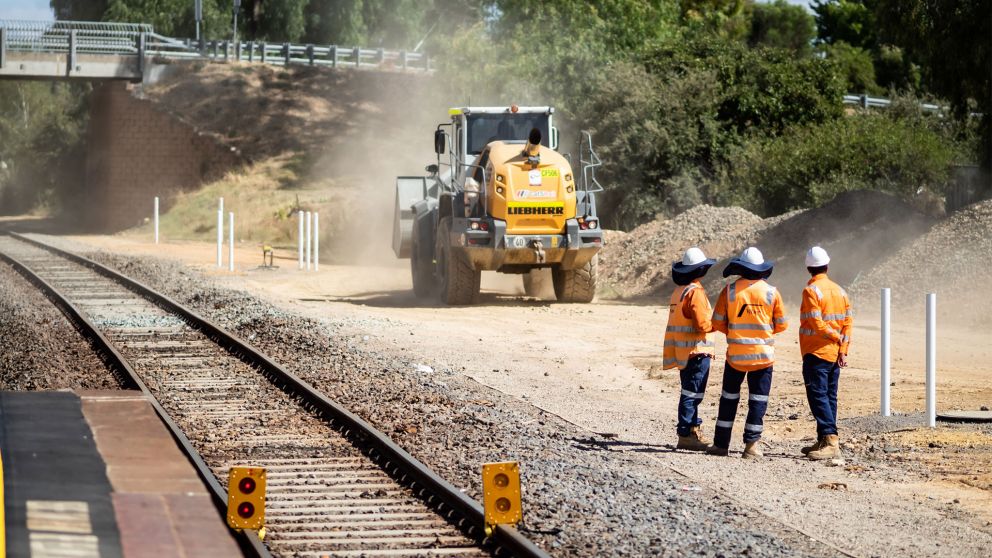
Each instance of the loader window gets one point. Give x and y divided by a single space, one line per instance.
484 128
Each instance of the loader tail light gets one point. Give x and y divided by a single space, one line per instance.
484 226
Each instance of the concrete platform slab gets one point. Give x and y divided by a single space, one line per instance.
98 474
56 492
162 507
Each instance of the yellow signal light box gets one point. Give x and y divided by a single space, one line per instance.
501 493
246 498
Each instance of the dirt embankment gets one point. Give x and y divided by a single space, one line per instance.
322 140
858 229
265 111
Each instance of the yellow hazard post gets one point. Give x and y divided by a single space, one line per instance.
501 494
246 499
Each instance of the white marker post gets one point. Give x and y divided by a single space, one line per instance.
932 360
886 358
299 237
316 241
220 233
156 219
309 231
230 240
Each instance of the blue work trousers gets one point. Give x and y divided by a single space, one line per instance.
694 377
759 385
821 378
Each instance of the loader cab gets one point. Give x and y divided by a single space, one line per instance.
473 128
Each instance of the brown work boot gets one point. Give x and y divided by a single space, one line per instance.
816 445
694 441
829 450
752 451
717 450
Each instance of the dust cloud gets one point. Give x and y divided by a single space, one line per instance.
389 133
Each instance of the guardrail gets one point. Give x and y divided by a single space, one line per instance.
139 39
864 101
284 54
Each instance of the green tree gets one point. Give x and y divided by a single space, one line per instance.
809 165
392 24
850 21
950 40
273 20
761 89
727 18
41 129
616 25
79 10
782 25
855 65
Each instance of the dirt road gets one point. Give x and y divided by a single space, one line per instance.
903 490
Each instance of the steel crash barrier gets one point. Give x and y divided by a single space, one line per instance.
53 49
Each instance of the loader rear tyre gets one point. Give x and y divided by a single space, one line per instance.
576 285
421 268
458 280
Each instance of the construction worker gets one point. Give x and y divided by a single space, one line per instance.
689 343
749 311
824 337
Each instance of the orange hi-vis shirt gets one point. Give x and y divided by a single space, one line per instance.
750 313
688 331
825 319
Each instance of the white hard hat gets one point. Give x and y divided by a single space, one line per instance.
817 257
693 259
693 256
750 259
752 256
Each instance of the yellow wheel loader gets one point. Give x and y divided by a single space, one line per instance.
500 197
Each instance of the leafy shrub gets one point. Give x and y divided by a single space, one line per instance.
811 164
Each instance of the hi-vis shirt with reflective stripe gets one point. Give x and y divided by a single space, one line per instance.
825 319
750 313
683 338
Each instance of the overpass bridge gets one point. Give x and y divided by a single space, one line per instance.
86 50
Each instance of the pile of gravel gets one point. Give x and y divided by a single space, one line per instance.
858 229
585 496
639 263
41 350
952 260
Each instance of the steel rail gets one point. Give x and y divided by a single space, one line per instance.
427 484
129 379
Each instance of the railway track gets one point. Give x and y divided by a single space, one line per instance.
336 486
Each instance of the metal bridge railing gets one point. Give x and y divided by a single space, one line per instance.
122 39
284 54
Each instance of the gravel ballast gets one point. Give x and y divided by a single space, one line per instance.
41 350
